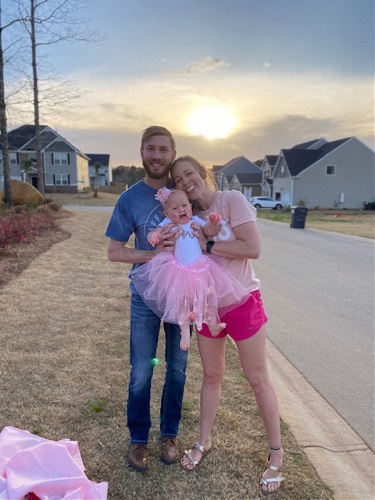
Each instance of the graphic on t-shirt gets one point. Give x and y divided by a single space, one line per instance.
224 233
152 221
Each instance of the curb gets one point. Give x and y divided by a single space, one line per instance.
340 457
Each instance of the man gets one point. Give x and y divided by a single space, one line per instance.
137 211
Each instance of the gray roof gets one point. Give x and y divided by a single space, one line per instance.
23 139
239 165
246 171
103 159
272 159
249 178
21 135
298 159
306 145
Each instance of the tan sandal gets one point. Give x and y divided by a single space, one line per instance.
264 482
192 464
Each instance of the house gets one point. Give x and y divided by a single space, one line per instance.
268 166
241 174
336 174
65 167
104 172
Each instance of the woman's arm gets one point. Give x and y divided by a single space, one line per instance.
246 245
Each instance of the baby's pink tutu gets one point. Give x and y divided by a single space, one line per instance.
173 290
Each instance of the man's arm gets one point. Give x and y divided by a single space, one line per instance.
119 251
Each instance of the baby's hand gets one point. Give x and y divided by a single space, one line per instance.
214 217
154 238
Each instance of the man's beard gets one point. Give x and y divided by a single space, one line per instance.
156 175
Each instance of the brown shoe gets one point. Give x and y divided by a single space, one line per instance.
168 450
138 456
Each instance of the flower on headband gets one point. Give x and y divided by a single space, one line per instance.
163 194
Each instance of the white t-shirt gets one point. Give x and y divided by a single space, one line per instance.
187 249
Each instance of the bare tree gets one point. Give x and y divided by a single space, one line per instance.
3 114
49 22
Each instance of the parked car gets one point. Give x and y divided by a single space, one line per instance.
266 202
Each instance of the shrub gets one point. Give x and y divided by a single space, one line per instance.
56 206
18 226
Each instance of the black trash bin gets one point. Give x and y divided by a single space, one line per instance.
298 217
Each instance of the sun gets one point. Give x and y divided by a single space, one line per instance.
212 122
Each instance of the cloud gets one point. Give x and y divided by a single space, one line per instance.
205 65
273 111
266 65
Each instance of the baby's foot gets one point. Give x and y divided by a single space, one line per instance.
185 343
185 339
216 329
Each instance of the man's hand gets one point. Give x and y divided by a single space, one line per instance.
168 238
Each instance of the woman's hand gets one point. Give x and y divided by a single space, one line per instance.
198 232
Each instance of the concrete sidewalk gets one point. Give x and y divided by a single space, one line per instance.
340 457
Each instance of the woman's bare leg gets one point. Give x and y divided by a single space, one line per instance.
212 352
252 354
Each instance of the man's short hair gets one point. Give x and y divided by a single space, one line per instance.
157 130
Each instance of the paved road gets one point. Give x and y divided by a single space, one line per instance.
318 288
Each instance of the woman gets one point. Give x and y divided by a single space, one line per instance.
237 242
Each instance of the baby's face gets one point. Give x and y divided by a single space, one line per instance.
178 208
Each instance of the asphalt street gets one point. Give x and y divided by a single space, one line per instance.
318 289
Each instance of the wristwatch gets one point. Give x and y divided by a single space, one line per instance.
209 245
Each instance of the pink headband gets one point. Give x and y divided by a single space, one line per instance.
163 194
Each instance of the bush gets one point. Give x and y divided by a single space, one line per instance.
18 226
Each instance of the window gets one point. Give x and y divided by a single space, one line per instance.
32 157
61 179
330 170
60 159
12 159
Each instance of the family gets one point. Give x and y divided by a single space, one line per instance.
191 266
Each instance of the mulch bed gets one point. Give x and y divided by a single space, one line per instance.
18 257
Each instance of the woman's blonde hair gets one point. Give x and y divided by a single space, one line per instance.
206 174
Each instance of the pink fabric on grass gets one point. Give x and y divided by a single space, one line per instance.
52 470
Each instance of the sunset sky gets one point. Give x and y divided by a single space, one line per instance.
228 78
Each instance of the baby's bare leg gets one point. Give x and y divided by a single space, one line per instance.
216 329
185 336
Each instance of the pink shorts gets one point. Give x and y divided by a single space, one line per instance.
242 322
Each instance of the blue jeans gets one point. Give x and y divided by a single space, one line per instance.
144 335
